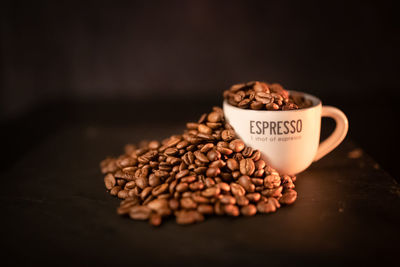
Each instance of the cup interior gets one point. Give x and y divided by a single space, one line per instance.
315 102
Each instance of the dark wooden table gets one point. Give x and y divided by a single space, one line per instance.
56 210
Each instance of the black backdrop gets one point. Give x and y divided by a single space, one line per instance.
58 52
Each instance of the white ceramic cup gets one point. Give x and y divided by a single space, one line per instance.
288 139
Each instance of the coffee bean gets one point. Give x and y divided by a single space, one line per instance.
242 200
237 189
228 135
224 187
232 164
201 157
207 147
109 181
173 204
226 199
288 197
196 186
231 210
171 151
158 204
212 172
248 210
145 192
205 209
182 187
213 155
139 212
247 167
253 197
123 194
272 181
204 129
214 117
274 192
236 145
188 203
210 192
246 183
159 189
200 199
187 217
181 174
155 219
114 191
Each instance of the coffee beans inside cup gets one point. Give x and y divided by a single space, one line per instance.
204 171
264 96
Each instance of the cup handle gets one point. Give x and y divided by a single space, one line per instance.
342 125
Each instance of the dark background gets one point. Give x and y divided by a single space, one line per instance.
79 79
68 61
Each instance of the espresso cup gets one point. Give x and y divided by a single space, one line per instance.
288 139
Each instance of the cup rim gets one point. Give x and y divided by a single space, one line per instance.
315 100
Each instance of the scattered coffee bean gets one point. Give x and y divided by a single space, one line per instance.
204 171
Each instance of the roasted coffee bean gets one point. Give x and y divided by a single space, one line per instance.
272 181
159 189
153 180
217 164
209 182
173 204
232 164
213 155
155 219
227 135
237 189
158 204
231 210
181 174
226 199
182 187
185 217
205 209
109 181
288 197
171 151
114 191
204 129
145 192
210 192
247 152
200 199
139 212
253 197
201 157
246 183
242 200
274 192
236 145
212 172
207 147
224 187
188 203
123 194
247 167
196 186
248 210
188 179
257 181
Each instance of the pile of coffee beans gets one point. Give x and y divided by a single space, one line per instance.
263 96
203 172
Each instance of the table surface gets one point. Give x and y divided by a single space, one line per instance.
55 208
